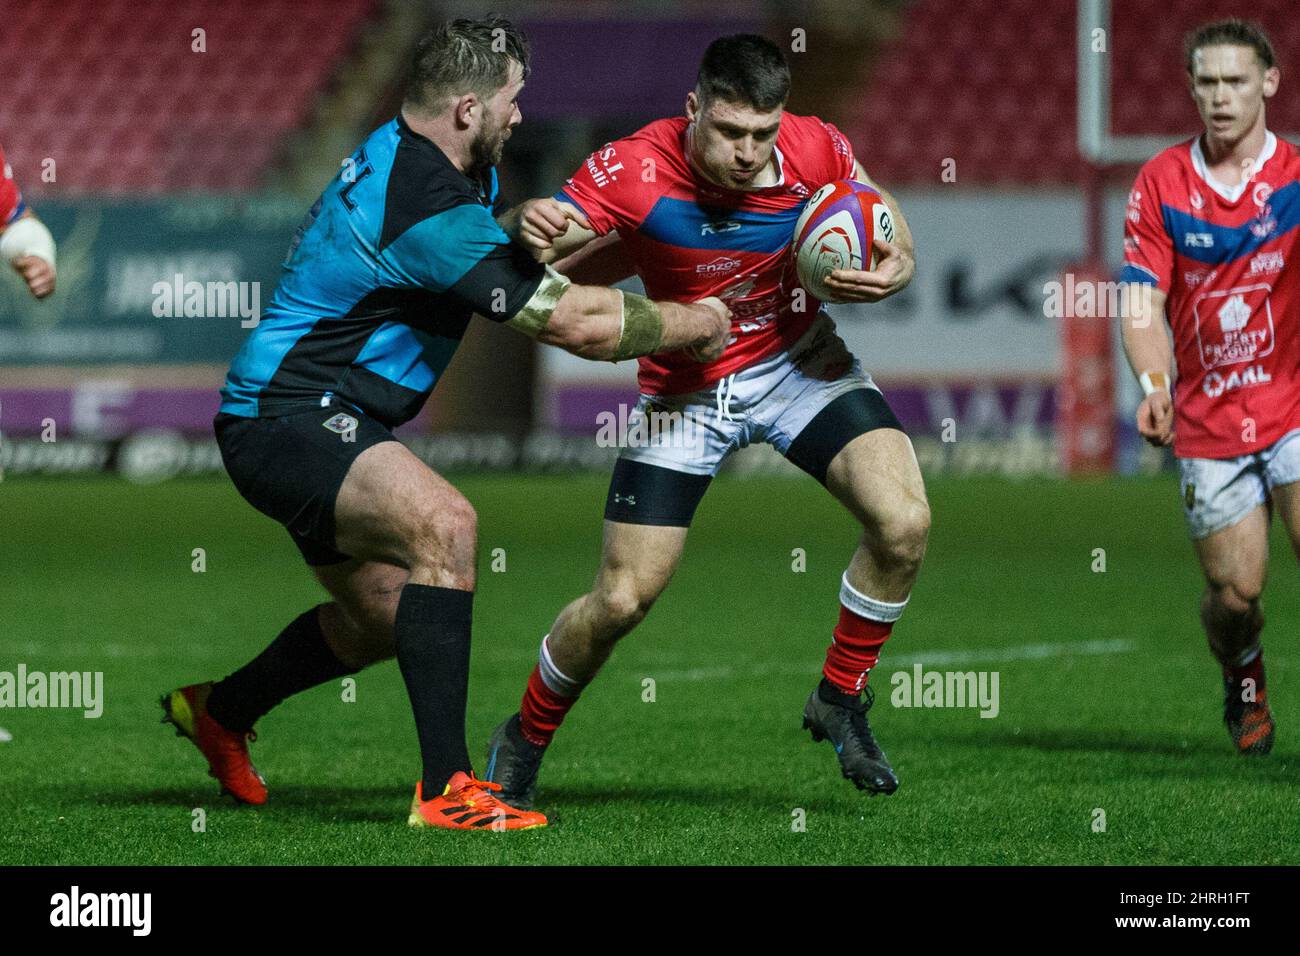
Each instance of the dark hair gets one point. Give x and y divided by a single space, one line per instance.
464 56
1230 33
746 69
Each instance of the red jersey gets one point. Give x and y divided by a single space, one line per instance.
1223 256
11 200
690 238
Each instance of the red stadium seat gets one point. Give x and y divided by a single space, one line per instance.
992 84
113 91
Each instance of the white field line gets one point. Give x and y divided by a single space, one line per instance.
1023 652
28 651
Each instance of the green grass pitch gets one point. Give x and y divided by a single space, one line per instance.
1108 698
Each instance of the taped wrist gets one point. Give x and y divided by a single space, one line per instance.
536 313
643 327
1153 382
27 237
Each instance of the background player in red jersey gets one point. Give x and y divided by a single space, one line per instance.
1209 241
709 201
25 243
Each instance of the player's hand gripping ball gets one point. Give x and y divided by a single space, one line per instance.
837 230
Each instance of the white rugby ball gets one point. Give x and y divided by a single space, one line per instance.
836 230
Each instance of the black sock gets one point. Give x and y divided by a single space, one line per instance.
830 694
298 659
432 636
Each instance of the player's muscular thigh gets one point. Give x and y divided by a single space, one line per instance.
394 508
876 476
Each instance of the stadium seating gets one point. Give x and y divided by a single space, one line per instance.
991 84
89 84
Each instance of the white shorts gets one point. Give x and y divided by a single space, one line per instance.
770 401
676 443
1219 492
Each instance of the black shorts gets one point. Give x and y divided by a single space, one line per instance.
291 467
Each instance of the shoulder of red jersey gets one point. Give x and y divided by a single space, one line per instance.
617 185
1171 160
11 199
1287 151
814 149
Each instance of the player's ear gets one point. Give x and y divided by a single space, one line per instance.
692 106
465 107
1272 77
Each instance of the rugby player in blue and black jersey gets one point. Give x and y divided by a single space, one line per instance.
378 287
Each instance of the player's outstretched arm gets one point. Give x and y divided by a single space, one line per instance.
602 262
608 324
547 228
28 246
1150 355
895 263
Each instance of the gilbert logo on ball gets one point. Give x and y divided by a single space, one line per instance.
836 230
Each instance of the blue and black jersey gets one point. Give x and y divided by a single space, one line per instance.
379 285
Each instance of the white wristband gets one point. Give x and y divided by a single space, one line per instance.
1153 382
27 237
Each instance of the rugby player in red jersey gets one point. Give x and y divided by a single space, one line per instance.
1210 236
25 243
705 204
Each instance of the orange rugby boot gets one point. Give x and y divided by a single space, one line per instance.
1250 723
226 751
467 803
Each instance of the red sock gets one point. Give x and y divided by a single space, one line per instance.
1238 673
542 710
854 651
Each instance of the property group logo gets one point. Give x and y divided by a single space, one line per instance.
1234 326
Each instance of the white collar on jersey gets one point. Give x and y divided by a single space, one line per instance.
780 168
1232 193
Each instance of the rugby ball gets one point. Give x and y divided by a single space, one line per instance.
836 230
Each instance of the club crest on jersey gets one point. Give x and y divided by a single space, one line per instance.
1196 199
1261 193
1265 224
341 424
